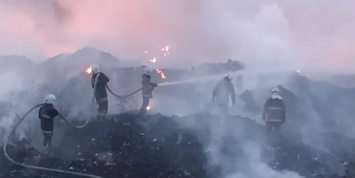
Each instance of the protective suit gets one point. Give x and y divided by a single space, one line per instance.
274 112
147 90
221 93
46 113
98 82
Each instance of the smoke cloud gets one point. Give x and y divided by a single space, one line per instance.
268 33
263 34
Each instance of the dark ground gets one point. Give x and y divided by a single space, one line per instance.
155 146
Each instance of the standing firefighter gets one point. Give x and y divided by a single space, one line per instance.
221 93
274 112
147 90
98 83
46 113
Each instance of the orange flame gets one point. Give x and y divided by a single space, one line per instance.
88 70
148 108
161 73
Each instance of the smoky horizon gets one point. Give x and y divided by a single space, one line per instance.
262 34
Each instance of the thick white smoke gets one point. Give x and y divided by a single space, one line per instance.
266 35
261 33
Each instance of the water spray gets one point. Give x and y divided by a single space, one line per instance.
200 79
219 76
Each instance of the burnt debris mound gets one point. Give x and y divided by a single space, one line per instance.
133 146
122 146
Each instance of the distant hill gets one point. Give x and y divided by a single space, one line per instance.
218 68
64 66
17 64
82 58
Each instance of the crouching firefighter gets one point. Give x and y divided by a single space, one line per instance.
221 93
274 113
98 82
47 112
147 90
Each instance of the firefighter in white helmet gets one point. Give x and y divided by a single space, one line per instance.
98 82
147 89
274 113
46 113
221 93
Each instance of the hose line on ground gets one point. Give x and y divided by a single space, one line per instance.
7 138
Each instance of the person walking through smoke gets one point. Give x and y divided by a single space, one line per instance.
46 113
98 83
221 93
274 113
147 89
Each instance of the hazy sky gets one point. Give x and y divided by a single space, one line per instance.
264 32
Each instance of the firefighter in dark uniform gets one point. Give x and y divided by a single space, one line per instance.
98 82
221 93
46 113
274 113
147 90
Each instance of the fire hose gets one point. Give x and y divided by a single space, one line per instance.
7 138
37 167
19 118
124 96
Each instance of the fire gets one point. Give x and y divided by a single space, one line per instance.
161 73
154 60
148 108
88 70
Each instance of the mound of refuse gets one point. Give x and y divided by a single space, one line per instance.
121 146
128 145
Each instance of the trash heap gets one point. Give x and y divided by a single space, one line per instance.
128 145
121 146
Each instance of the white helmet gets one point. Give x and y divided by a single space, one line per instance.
95 68
228 77
50 99
146 70
275 90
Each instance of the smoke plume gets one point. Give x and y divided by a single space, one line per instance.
268 33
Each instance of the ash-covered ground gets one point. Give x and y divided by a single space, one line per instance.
129 145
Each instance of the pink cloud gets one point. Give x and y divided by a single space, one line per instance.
290 32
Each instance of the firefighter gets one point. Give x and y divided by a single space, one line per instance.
221 93
46 113
147 90
98 82
274 113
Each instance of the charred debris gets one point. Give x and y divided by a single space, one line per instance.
128 145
